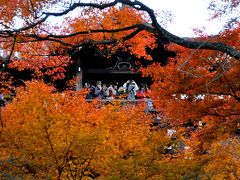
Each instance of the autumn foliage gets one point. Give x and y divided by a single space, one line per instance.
58 135
47 134
47 59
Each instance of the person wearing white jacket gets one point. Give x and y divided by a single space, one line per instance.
131 87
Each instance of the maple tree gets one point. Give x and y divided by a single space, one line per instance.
198 94
54 135
59 135
110 26
46 134
26 26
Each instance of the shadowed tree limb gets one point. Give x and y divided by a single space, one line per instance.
155 28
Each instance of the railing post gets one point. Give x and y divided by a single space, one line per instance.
79 74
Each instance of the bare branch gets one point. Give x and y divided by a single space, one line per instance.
58 38
6 60
76 5
182 41
155 28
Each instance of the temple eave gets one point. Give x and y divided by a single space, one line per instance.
110 71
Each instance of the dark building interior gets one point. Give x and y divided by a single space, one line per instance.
91 66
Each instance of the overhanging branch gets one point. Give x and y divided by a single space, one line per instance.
155 28
219 46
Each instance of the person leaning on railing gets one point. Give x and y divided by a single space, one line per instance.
110 92
143 92
131 88
98 90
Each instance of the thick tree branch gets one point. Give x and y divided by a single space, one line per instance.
182 41
139 26
76 5
160 30
58 38
155 28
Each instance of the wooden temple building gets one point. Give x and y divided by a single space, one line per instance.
91 66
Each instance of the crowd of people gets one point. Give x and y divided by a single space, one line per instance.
129 90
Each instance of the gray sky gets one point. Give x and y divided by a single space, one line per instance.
188 14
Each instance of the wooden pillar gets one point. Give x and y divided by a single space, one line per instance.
79 74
